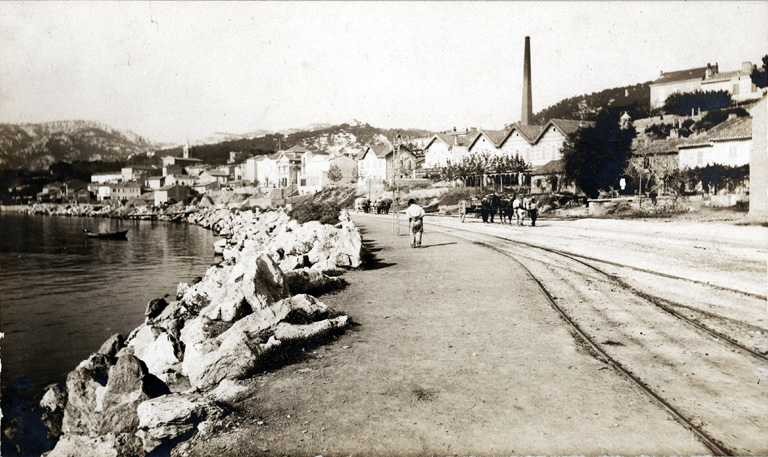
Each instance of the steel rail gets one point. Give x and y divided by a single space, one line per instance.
616 264
662 303
711 443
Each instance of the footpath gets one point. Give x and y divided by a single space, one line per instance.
454 351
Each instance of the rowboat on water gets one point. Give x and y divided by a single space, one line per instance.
119 235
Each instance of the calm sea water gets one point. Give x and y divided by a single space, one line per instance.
62 294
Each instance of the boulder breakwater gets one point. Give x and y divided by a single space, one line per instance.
175 374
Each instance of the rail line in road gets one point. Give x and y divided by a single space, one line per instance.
616 264
698 419
662 303
711 443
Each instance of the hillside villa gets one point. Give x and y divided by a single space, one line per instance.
738 83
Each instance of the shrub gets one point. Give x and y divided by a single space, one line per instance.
453 196
324 212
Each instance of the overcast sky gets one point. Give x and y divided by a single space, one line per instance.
171 70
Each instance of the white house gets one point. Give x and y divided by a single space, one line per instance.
539 145
738 83
445 148
101 178
171 194
266 170
729 143
118 191
181 180
372 163
315 167
486 142
288 166
156 182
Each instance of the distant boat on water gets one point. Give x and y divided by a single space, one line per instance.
119 235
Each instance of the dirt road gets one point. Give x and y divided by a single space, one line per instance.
456 351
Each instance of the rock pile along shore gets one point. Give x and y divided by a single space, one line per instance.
174 375
172 213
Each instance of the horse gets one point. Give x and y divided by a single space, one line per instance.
494 203
505 210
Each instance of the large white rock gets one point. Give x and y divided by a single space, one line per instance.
262 281
167 417
157 349
308 280
290 332
235 353
85 446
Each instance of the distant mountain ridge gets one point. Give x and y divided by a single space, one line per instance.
37 146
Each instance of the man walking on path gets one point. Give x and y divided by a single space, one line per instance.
518 210
415 215
533 210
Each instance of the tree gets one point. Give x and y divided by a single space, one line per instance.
682 103
760 77
594 157
334 173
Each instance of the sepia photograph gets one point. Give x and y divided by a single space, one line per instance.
383 228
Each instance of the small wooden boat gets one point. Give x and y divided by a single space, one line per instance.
120 235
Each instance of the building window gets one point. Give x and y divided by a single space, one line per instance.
736 89
700 158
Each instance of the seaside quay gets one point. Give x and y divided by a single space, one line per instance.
456 352
178 373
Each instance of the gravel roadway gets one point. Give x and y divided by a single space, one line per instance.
455 351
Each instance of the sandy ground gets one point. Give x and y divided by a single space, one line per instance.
456 351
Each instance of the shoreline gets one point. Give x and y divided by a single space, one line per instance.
161 349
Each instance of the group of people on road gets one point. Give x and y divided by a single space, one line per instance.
525 206
520 208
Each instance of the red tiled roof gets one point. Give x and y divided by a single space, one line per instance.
382 150
297 149
453 138
666 146
681 75
740 127
724 76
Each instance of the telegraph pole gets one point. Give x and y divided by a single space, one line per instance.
396 190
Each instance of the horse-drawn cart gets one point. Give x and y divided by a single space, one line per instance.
472 205
362 204
487 207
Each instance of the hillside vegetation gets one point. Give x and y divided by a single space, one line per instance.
633 99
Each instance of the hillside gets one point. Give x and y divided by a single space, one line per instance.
344 139
37 146
633 99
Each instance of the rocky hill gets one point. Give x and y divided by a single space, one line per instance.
344 139
37 146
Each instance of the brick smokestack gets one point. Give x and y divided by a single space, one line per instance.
527 112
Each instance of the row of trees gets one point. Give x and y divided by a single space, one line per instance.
480 164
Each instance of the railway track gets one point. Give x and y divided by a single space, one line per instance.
711 443
668 306
655 365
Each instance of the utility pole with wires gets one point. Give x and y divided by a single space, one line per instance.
396 190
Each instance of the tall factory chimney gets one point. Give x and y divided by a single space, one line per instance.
527 112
